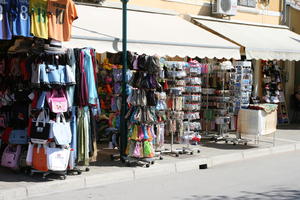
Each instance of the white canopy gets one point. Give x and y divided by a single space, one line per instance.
260 41
150 33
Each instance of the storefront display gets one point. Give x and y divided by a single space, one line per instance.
273 88
48 104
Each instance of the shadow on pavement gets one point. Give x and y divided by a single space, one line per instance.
293 126
8 175
225 146
276 194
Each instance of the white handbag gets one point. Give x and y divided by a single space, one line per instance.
29 154
58 158
61 130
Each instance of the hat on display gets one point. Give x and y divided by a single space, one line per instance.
37 45
226 65
54 46
55 43
21 45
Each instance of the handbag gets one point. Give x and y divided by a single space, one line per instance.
58 158
11 155
140 133
134 133
57 101
18 137
39 158
56 74
61 131
153 64
117 74
40 129
137 150
148 149
22 159
142 61
151 98
29 154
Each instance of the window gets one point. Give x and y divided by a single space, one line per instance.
248 3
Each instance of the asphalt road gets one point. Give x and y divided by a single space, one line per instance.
273 177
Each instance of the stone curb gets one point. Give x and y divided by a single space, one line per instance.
131 174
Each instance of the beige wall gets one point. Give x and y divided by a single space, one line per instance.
182 8
257 18
200 7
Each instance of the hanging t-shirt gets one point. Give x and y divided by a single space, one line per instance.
62 13
21 18
5 28
39 19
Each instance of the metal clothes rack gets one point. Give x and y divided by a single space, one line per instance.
172 151
207 134
188 149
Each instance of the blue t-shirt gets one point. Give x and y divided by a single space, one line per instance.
5 28
20 18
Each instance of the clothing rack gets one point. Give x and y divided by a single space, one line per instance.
193 71
37 92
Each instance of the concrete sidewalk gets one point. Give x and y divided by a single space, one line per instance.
19 186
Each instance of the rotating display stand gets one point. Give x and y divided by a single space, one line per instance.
192 105
174 88
222 95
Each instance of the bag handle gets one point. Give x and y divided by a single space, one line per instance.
43 117
58 93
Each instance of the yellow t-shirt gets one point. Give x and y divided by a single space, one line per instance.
39 18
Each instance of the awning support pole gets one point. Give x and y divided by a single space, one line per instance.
123 123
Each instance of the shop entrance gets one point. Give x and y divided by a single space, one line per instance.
295 102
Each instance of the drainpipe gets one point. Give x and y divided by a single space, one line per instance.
284 13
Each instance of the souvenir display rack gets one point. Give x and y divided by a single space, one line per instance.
160 108
220 100
141 116
242 85
242 92
174 87
273 88
192 105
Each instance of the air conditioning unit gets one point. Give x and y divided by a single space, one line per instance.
225 7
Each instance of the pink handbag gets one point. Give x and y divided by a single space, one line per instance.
11 155
57 101
137 153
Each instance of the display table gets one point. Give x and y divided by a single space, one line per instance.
256 122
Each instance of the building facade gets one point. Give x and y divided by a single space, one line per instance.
258 11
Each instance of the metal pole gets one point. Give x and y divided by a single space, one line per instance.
123 124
